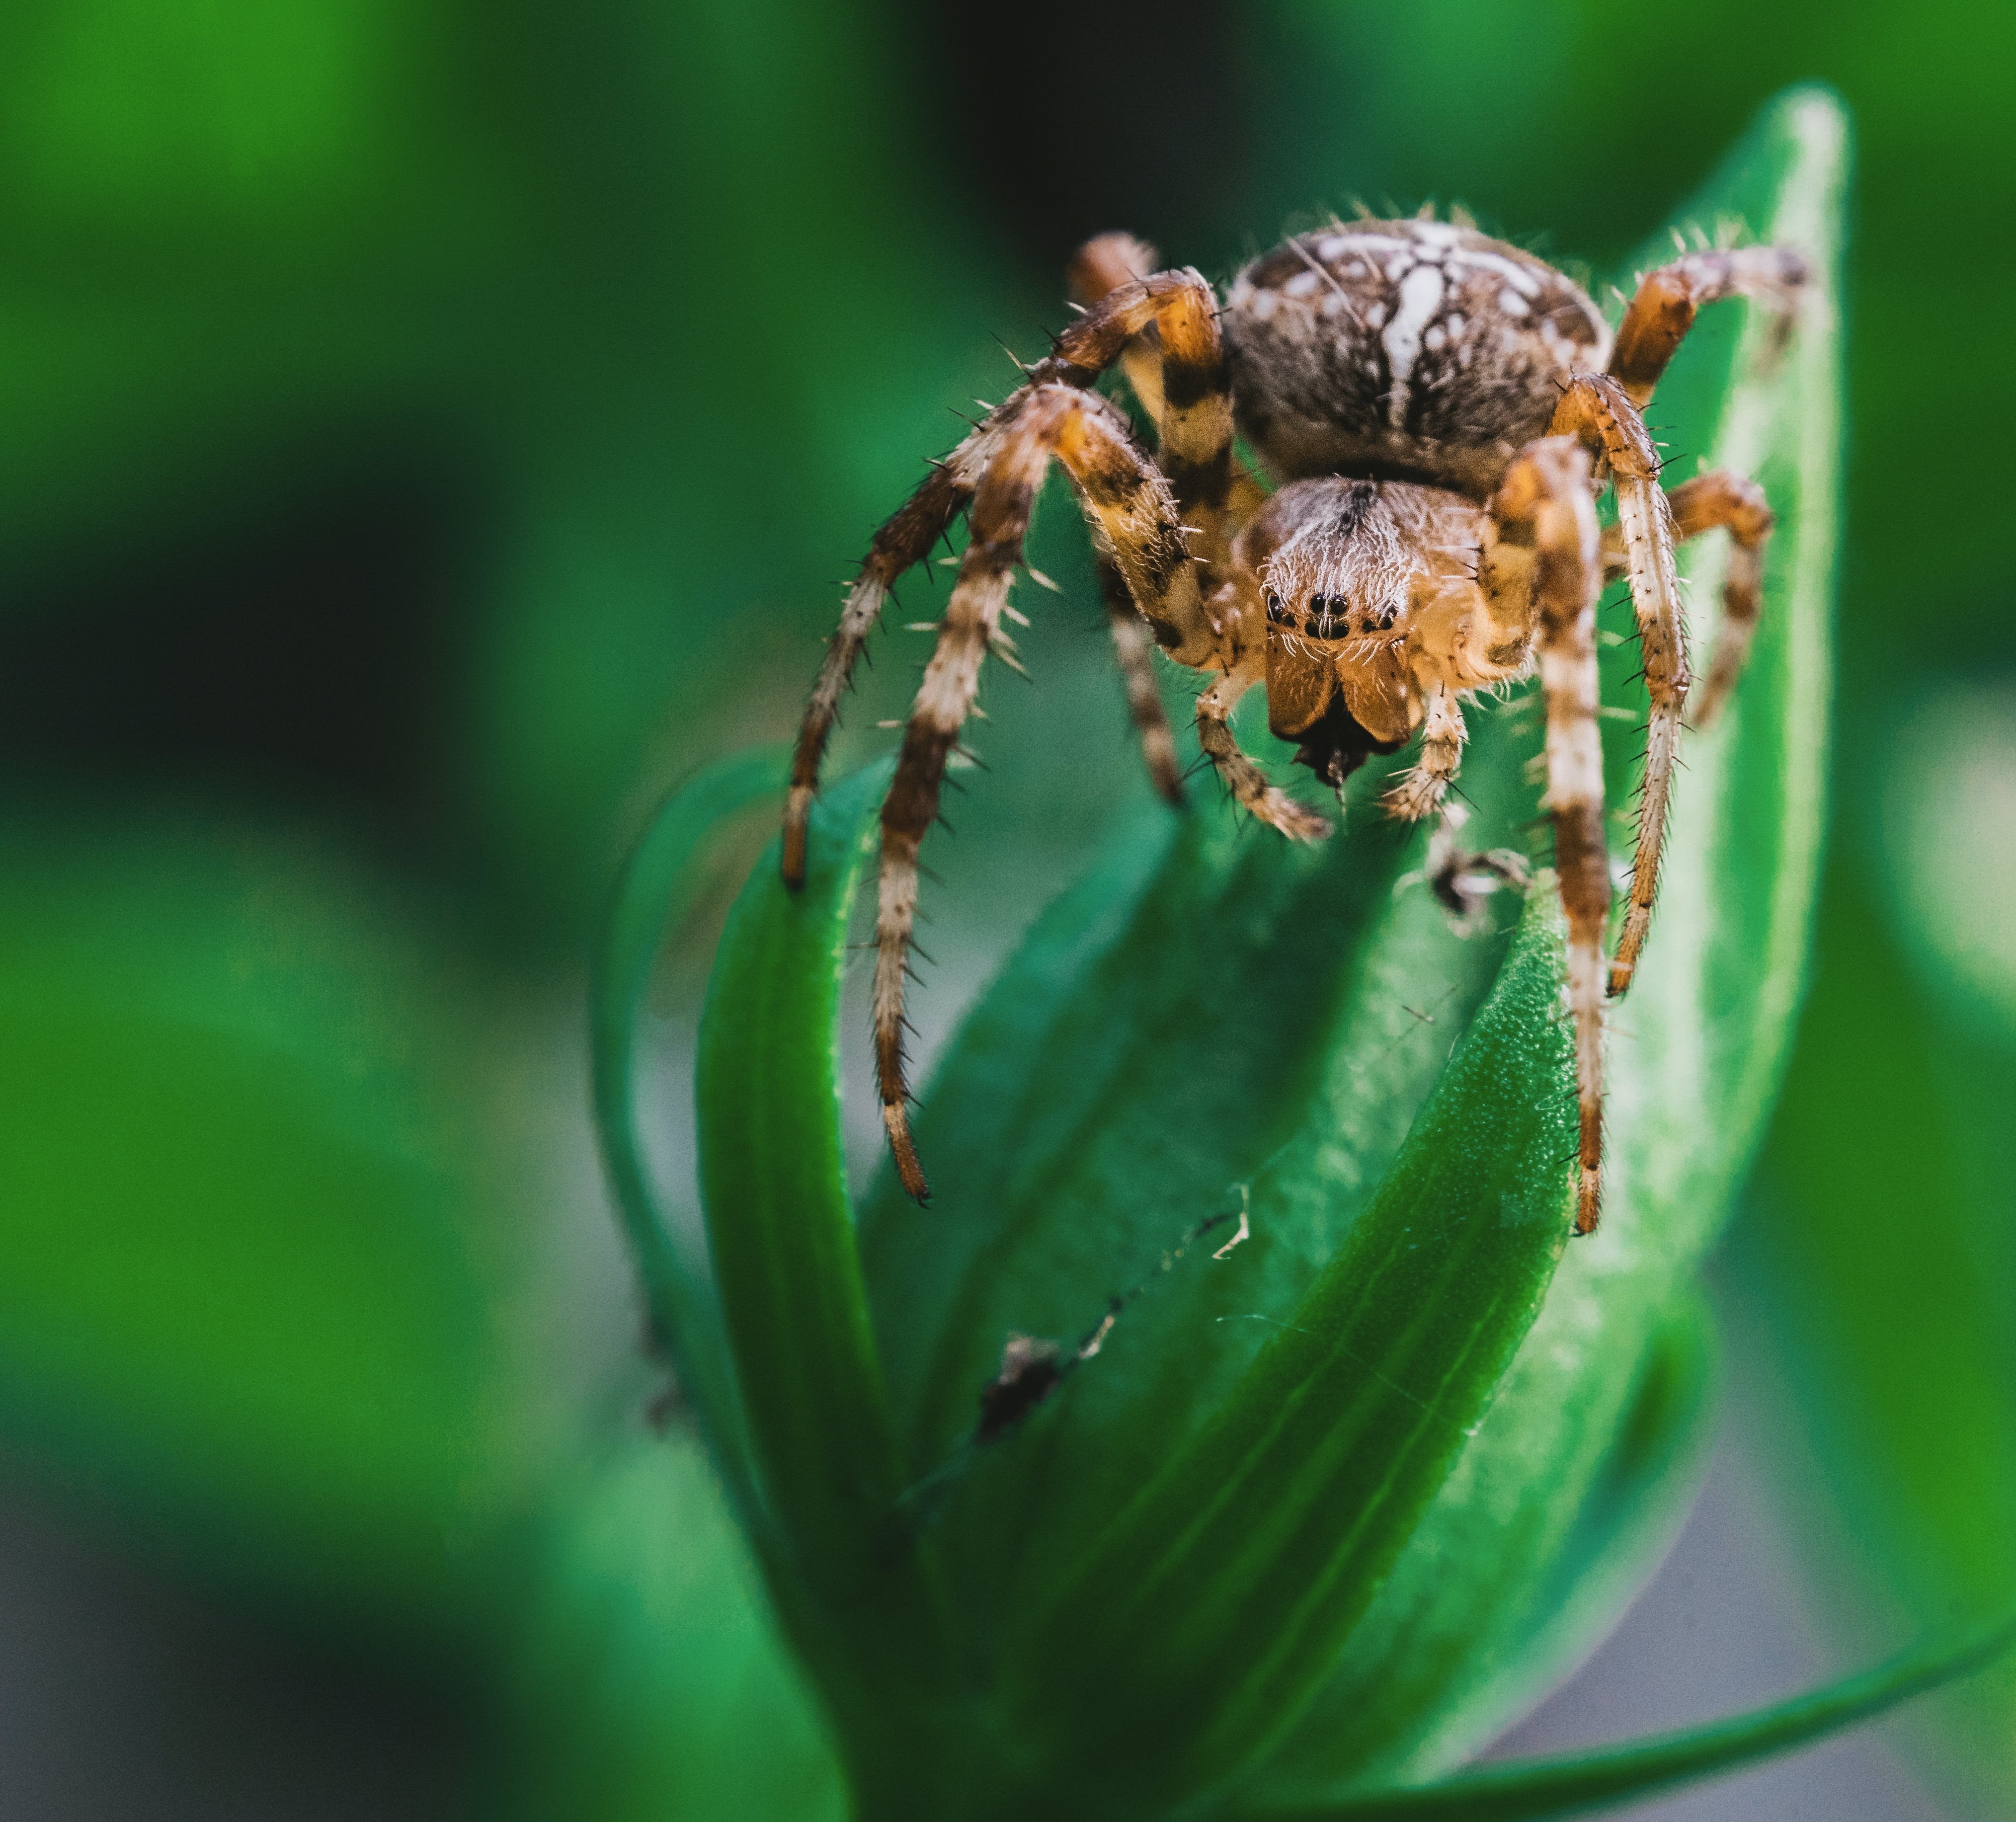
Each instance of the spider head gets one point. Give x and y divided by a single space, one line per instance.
1418 350
1327 614
1335 564
1340 566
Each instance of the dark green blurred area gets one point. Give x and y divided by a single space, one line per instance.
427 430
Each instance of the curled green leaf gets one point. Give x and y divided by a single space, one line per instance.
780 1229
1181 1644
1072 1508
1467 1632
1523 1790
654 891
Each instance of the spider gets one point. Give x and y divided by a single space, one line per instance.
1442 410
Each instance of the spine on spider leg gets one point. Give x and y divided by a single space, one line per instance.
1194 428
1597 412
1642 516
1083 352
1245 780
1130 506
1667 301
1421 790
1176 362
1087 348
1100 268
1548 490
1581 861
945 698
1135 650
904 540
1737 504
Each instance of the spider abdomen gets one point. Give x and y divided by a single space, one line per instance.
1415 349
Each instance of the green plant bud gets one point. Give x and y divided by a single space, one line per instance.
1238 1429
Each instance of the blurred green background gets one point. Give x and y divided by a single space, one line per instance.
429 430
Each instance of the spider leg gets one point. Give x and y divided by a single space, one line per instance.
1723 498
1420 791
1460 879
1133 513
1244 779
1663 309
1084 351
1720 499
1135 650
1596 410
906 540
1545 512
1101 266
1176 366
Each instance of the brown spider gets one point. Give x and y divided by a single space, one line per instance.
1443 410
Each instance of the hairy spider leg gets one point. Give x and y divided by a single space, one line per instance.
1596 410
1544 514
1243 778
1723 499
1102 266
1719 500
1663 309
1132 510
1425 786
1655 322
906 540
1084 351
1176 367
1134 649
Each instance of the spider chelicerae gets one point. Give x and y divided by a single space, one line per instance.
1442 411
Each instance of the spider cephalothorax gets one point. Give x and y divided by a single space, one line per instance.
1444 410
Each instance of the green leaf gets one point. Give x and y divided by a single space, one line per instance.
656 890
1874 1273
1180 1645
773 1185
1261 1497
1519 1791
1484 1171
1875 1280
1463 1636
1632 1511
1214 1018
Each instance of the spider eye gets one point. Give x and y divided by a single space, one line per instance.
1273 605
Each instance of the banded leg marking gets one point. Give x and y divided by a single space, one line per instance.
904 541
1666 302
1085 349
1135 651
1176 366
1245 780
1097 269
1420 793
1595 411
1719 500
1135 515
1723 499
1545 504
